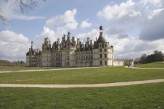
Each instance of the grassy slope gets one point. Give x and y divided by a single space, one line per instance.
152 65
81 76
148 96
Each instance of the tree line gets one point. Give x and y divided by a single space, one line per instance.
156 56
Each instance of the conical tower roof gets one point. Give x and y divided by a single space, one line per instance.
101 38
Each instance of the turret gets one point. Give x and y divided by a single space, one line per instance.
32 45
68 36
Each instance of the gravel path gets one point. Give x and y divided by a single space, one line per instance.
144 68
83 85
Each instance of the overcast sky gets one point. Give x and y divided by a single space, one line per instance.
133 27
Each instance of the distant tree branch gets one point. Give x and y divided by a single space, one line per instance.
27 5
24 5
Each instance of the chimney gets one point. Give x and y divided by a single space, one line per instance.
68 36
87 39
78 40
90 42
63 38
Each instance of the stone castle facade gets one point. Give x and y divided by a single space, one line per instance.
73 53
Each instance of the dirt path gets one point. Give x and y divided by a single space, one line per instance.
83 85
144 68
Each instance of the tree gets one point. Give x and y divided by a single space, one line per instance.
28 4
150 58
143 58
24 5
158 55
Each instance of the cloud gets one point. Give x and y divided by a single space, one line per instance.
92 35
67 19
125 10
13 45
62 23
157 3
22 17
53 35
153 29
155 12
115 33
85 24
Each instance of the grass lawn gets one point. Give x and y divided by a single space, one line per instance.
82 76
13 68
151 65
148 96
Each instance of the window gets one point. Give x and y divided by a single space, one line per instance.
105 55
105 50
105 62
100 50
100 55
67 57
100 62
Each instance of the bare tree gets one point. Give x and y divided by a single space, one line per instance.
24 5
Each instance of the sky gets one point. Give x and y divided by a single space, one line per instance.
133 27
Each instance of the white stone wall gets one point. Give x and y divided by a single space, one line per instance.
96 55
27 60
72 58
83 58
46 58
118 63
63 58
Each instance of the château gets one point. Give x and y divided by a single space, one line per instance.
73 53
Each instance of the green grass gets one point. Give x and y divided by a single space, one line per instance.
151 65
14 68
81 76
148 96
